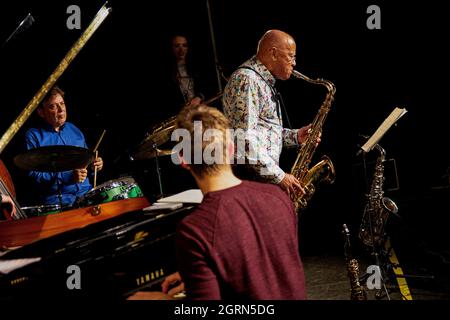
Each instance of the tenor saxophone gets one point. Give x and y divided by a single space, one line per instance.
323 171
378 207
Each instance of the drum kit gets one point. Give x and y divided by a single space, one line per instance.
113 190
65 158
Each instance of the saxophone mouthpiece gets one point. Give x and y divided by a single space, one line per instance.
298 75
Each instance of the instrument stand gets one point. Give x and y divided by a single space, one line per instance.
383 269
386 271
158 172
58 184
380 257
59 192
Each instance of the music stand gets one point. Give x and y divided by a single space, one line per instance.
396 114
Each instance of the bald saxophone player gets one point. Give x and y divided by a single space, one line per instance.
252 103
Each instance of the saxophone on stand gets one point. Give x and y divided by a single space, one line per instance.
378 207
323 171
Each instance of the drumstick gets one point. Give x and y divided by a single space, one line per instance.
96 156
95 169
99 140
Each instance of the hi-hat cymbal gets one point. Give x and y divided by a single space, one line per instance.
54 158
142 155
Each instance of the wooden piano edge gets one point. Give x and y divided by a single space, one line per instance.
16 233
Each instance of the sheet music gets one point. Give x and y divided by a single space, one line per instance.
188 196
6 266
163 206
396 114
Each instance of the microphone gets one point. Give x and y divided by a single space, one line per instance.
24 25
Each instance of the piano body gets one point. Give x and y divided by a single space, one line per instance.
115 257
16 233
117 247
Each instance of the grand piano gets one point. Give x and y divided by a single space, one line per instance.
117 247
114 258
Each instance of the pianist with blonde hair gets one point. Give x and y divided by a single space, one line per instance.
241 242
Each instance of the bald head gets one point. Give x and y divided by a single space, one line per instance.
272 38
277 50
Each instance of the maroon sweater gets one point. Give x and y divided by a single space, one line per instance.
241 243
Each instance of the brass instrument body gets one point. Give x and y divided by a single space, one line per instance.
378 207
324 170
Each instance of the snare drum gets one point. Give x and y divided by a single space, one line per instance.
44 210
112 190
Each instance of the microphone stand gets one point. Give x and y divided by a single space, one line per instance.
213 42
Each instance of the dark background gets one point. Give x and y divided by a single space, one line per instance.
115 84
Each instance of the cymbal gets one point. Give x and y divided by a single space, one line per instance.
159 135
150 154
54 158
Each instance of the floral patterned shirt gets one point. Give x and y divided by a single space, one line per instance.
249 102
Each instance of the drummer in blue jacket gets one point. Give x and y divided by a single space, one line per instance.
58 187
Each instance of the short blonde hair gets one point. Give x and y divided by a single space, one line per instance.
210 118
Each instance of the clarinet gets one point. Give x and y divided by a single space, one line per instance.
357 291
